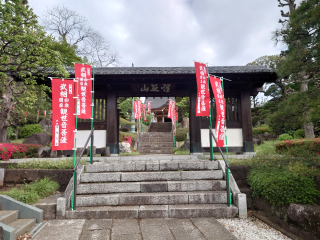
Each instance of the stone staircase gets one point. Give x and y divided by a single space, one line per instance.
152 189
160 127
13 225
158 140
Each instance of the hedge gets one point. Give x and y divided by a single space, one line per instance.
181 134
300 147
17 150
28 130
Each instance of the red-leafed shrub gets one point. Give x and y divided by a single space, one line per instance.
300 146
17 150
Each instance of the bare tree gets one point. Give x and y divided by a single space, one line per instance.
73 28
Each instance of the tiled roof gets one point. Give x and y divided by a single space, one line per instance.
176 70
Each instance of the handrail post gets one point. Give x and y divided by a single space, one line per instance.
227 175
228 185
91 147
75 189
210 145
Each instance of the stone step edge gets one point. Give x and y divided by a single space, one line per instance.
156 165
153 176
167 198
154 211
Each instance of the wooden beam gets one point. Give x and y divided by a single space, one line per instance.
195 123
246 121
112 122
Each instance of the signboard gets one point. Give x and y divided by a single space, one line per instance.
63 118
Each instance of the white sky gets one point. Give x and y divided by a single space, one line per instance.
156 33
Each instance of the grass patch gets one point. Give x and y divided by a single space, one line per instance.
181 152
267 147
130 154
46 164
31 193
20 140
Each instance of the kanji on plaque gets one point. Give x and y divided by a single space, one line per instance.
83 73
63 118
203 100
149 107
220 107
144 112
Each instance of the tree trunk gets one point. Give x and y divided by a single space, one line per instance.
308 125
6 108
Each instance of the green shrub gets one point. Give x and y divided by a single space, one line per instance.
255 119
262 129
304 147
298 134
284 137
11 133
181 134
28 130
280 186
31 193
17 150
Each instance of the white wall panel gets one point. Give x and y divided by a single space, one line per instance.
99 138
234 137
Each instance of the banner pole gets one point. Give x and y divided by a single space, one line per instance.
225 133
75 148
208 80
92 115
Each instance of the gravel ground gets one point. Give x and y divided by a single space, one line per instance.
251 229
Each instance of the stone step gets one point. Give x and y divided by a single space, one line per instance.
151 176
156 139
169 151
161 185
154 211
158 198
22 225
162 165
157 144
8 216
155 147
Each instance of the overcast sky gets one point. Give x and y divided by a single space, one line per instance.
172 33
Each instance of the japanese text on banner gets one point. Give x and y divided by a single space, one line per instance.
83 73
203 100
169 109
144 112
149 107
63 118
220 106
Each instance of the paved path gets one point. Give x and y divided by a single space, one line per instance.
135 229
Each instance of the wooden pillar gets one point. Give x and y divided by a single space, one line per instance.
195 124
112 122
246 121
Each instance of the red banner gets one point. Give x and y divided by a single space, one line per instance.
83 73
174 119
63 118
44 113
149 107
169 109
144 112
203 100
139 108
220 107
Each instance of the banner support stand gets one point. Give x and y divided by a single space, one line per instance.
208 80
75 149
92 115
